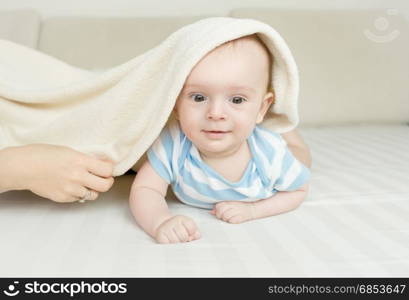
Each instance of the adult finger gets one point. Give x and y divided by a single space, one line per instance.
96 183
91 194
101 166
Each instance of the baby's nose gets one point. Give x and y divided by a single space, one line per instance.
216 111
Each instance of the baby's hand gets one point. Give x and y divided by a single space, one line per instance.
177 229
234 211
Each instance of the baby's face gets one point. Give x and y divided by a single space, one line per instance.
224 97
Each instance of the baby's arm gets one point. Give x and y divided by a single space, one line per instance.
240 211
148 205
298 147
281 202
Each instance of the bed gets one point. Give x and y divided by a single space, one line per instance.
353 223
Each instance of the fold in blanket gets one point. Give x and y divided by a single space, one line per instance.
120 112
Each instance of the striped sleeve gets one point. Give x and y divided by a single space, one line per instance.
293 173
160 155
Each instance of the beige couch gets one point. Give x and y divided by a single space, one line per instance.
354 110
346 75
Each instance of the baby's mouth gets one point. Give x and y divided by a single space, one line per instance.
215 134
216 131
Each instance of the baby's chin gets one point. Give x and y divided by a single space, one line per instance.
216 149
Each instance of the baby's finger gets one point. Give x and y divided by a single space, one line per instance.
181 233
236 219
190 226
171 234
197 235
218 209
222 211
228 214
194 236
162 238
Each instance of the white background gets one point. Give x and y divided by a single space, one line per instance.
128 8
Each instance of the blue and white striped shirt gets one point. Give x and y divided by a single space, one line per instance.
272 168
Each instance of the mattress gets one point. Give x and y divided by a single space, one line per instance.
354 223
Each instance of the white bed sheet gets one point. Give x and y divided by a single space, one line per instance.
355 222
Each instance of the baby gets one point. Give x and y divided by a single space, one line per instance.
214 154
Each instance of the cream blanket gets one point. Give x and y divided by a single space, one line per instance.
120 112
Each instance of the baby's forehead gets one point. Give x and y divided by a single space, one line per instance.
248 48
244 59
243 44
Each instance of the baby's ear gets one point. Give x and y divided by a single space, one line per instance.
175 113
265 105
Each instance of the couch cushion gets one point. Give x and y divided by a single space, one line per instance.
98 43
347 74
20 26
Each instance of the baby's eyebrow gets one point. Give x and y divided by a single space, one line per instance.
235 87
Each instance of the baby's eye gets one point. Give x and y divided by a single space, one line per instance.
197 97
237 100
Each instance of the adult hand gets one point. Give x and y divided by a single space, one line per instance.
58 173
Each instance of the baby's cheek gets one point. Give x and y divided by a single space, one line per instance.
192 133
244 131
